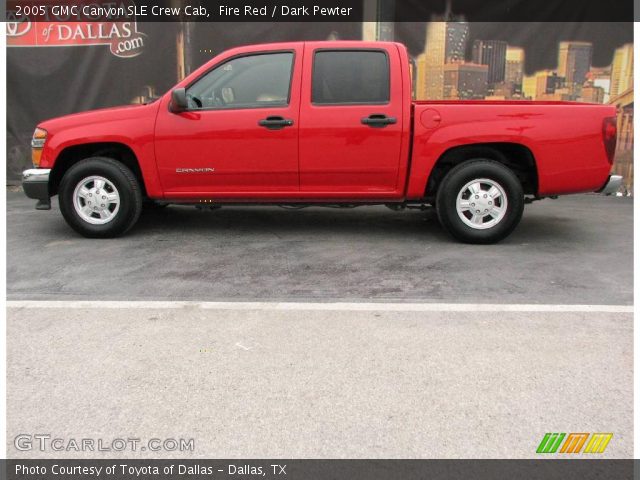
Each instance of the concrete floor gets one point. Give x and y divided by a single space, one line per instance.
319 384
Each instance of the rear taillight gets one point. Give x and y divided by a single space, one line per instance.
610 136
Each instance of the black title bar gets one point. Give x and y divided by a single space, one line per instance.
322 10
282 469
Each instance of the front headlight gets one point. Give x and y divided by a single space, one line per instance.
39 136
37 143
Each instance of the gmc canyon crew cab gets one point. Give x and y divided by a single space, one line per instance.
319 123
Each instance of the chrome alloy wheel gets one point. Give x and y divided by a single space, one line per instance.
96 200
481 203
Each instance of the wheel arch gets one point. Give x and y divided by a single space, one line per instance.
75 153
514 156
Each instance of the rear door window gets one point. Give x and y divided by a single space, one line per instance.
350 77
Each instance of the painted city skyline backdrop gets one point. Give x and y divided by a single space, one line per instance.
538 39
455 65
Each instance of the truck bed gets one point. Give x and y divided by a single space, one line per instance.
566 146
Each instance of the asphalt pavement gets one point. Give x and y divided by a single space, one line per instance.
573 250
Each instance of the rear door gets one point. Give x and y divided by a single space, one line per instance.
351 121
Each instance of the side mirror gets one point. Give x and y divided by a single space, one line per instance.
178 100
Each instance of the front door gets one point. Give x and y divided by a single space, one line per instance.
239 137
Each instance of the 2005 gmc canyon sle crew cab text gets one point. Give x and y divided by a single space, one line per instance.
320 123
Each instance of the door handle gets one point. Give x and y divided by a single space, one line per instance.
275 122
378 120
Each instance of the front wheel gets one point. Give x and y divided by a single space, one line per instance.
100 198
480 201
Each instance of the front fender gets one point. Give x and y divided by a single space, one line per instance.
133 129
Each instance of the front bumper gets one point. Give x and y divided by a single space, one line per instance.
35 183
612 186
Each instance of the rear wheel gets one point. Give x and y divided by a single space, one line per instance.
480 201
100 198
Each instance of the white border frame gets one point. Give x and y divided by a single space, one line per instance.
3 237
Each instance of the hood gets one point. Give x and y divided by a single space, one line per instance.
98 116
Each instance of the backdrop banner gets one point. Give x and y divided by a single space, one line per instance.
61 67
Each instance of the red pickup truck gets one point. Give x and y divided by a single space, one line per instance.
320 123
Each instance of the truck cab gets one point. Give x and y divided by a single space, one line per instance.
287 121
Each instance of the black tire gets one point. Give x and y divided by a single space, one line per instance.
456 180
128 189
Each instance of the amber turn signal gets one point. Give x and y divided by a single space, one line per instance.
37 142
